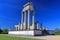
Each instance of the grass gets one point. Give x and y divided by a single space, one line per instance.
5 37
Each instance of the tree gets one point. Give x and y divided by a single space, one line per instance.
0 30
5 31
57 31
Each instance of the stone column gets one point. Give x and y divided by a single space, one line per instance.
19 26
46 28
37 25
16 28
24 20
28 19
33 19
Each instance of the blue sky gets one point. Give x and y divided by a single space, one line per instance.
46 11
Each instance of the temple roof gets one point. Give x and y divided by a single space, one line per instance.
29 3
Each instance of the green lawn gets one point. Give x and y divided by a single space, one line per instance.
5 37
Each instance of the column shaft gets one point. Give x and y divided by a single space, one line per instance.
24 20
33 19
28 19
37 25
16 28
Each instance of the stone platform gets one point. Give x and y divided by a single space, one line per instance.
27 32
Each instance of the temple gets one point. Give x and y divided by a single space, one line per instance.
25 28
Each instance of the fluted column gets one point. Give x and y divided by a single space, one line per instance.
28 19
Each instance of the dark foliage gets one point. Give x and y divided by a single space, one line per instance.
4 31
0 31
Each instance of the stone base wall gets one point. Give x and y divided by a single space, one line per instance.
31 33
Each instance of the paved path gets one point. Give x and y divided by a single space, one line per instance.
54 37
57 37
